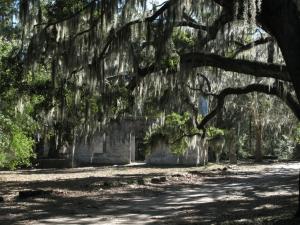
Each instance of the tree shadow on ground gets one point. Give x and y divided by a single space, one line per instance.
218 199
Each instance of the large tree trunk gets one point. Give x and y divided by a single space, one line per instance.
250 132
231 146
258 145
73 147
281 18
232 155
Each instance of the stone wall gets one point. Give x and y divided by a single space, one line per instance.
161 155
196 154
114 146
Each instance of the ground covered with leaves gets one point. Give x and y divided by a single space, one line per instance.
217 194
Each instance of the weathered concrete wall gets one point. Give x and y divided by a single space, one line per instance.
216 146
197 152
114 146
161 155
195 155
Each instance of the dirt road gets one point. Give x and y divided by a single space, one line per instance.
244 194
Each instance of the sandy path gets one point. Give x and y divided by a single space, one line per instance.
244 194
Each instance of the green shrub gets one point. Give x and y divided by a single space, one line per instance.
172 132
16 146
285 148
175 132
213 131
183 38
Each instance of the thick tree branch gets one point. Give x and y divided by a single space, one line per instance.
201 88
115 33
191 24
258 69
160 11
218 24
280 19
87 6
190 135
249 46
228 4
141 73
197 59
286 97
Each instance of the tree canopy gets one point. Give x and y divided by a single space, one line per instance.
93 44
89 61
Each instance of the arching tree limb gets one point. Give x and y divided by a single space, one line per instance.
261 88
218 24
199 59
249 46
258 69
281 19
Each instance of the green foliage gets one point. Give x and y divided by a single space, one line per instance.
172 131
118 101
179 146
297 134
5 47
172 62
243 152
285 148
175 132
183 39
61 9
15 143
180 40
8 11
73 104
17 104
213 131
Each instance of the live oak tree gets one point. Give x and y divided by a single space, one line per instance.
107 56
16 123
96 44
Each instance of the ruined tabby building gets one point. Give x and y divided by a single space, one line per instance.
122 143
195 154
119 144
114 146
